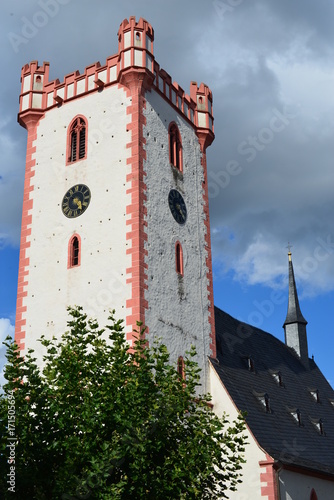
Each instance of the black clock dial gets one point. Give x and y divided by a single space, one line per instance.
177 206
76 201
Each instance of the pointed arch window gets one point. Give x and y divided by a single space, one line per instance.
175 146
77 140
313 495
179 258
181 368
74 251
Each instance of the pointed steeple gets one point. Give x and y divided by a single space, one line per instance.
294 314
295 323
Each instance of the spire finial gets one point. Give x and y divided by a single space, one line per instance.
289 250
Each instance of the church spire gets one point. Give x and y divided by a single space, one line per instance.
295 323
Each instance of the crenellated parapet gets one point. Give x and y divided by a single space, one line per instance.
135 52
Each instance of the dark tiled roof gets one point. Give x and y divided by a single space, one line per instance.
294 314
249 382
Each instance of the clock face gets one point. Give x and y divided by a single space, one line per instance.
76 201
177 206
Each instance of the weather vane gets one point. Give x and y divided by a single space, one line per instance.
289 249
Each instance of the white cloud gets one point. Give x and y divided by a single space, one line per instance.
6 328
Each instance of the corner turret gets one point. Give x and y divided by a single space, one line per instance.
33 96
135 45
295 323
202 96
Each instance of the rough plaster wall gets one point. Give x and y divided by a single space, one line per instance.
295 486
99 283
250 488
178 306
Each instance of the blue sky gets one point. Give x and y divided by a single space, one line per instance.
271 176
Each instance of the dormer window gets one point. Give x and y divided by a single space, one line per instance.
297 416
315 395
264 400
250 363
278 378
318 424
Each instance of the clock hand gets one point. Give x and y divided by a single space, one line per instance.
179 209
78 203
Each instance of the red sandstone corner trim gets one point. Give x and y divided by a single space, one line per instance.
268 479
136 82
30 122
203 140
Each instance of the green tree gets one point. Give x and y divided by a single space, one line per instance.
103 421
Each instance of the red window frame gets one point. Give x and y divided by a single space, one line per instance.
178 258
175 146
181 368
77 139
313 495
74 251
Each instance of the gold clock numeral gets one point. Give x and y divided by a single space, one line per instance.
76 188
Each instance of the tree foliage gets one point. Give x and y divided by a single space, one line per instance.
102 421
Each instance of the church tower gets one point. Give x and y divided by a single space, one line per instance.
295 323
115 210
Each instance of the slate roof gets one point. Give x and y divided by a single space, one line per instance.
294 314
248 358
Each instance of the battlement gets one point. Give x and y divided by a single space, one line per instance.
135 52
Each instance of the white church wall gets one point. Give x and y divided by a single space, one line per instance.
99 283
250 488
295 486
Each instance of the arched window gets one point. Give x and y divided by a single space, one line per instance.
74 251
179 258
77 140
313 495
180 368
175 147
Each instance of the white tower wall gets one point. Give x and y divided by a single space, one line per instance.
99 283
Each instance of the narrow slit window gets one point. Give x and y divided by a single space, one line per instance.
77 140
74 257
179 258
181 368
175 147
